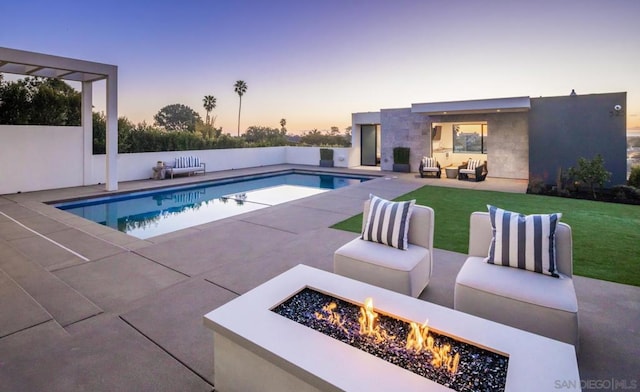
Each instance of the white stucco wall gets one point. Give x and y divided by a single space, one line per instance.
36 158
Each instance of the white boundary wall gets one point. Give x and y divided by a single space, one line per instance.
34 158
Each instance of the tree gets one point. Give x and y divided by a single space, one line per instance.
55 102
240 88
265 136
39 101
347 136
209 104
591 172
283 123
177 117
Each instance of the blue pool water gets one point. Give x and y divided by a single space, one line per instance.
150 213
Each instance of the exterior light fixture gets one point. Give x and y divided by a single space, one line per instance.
617 111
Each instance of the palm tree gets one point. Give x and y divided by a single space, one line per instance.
240 88
283 122
209 104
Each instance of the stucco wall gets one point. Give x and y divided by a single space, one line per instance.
138 166
563 129
36 158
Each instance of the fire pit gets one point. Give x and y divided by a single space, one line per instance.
257 349
410 345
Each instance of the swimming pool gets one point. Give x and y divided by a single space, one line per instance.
148 214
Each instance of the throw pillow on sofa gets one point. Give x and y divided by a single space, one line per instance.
388 222
523 241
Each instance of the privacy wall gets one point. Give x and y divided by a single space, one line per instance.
34 158
563 129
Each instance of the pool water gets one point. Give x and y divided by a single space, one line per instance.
151 213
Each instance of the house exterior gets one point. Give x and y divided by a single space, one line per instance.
519 137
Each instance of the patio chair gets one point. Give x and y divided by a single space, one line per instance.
429 165
404 271
474 168
532 301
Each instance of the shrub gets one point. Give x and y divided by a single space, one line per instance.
591 173
536 186
401 155
326 154
634 177
626 192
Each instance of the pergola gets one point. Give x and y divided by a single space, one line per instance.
21 62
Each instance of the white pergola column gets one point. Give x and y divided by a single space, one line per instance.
21 62
87 132
112 132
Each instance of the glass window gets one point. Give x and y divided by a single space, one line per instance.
470 138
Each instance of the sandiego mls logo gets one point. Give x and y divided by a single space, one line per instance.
611 384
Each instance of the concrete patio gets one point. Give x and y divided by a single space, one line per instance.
109 312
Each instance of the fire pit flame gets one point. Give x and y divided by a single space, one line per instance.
419 339
418 348
329 314
368 325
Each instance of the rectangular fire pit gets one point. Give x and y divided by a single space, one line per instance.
256 349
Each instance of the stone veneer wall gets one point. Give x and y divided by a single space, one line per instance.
508 139
401 128
507 142
508 145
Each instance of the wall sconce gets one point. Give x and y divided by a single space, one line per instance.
617 111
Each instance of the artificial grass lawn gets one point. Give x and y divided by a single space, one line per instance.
606 236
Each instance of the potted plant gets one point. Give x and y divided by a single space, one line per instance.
401 160
326 157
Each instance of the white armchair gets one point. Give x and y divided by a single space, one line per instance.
404 271
523 299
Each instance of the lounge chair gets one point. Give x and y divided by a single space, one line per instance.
404 271
523 299
429 165
474 168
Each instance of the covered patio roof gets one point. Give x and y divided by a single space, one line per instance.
26 63
497 105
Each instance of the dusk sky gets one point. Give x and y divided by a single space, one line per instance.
316 62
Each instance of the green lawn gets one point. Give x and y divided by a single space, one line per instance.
606 236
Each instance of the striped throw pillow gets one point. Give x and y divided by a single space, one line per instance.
524 241
473 163
429 162
388 222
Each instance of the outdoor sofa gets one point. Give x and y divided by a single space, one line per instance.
181 165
